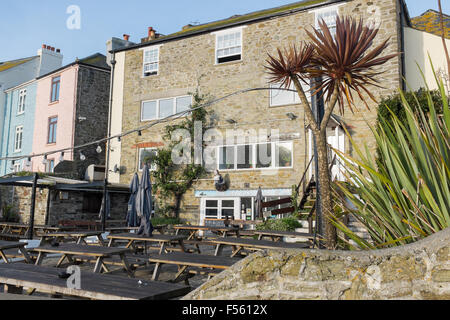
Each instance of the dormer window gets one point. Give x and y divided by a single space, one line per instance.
229 45
151 61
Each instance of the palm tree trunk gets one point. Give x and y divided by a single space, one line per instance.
326 201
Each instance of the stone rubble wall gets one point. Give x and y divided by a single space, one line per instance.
418 271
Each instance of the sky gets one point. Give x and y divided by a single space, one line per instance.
27 24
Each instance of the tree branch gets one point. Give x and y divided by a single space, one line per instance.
307 106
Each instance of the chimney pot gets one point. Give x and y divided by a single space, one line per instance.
49 48
126 37
53 48
44 46
151 33
58 50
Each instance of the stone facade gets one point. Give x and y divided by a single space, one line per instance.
71 207
420 271
188 63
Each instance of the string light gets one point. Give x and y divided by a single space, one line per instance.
82 156
99 149
148 126
45 161
61 158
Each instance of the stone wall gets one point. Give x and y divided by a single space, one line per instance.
93 104
60 208
417 271
189 63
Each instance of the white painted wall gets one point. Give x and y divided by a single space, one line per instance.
418 45
116 117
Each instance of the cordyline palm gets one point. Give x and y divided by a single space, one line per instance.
346 65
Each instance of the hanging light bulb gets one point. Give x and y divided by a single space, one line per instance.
82 156
119 139
61 158
139 133
99 149
28 163
45 161
13 162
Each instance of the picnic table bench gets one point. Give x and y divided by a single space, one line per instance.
223 231
279 235
78 236
196 262
48 229
5 245
161 239
9 228
93 286
238 244
68 251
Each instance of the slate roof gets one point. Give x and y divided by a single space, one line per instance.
237 20
14 63
430 22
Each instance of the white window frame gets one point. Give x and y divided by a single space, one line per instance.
153 166
17 167
273 166
152 62
174 110
236 208
18 143
227 32
295 98
22 100
334 9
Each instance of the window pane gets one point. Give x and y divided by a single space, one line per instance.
264 155
227 212
283 155
165 108
211 213
183 104
149 110
280 96
146 156
228 204
226 158
212 203
245 157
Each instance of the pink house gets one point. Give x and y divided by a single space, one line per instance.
71 110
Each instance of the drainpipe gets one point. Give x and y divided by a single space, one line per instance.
108 143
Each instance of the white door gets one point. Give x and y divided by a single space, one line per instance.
219 208
337 141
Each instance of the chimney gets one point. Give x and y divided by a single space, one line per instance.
51 59
151 33
126 37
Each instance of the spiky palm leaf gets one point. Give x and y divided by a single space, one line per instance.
344 60
290 63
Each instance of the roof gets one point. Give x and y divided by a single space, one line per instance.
430 22
14 63
96 60
63 184
237 20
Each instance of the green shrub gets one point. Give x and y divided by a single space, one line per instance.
286 224
157 221
404 197
9 215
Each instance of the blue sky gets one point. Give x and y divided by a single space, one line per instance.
27 24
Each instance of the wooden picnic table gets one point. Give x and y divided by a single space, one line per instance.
162 240
207 264
223 231
49 229
14 228
93 286
6 245
279 235
78 236
239 244
70 250
159 228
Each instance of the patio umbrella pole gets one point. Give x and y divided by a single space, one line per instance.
105 190
33 207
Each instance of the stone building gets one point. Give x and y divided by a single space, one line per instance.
156 79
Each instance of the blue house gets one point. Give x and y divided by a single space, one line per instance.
17 135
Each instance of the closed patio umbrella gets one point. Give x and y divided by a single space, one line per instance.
108 207
132 218
144 204
258 204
